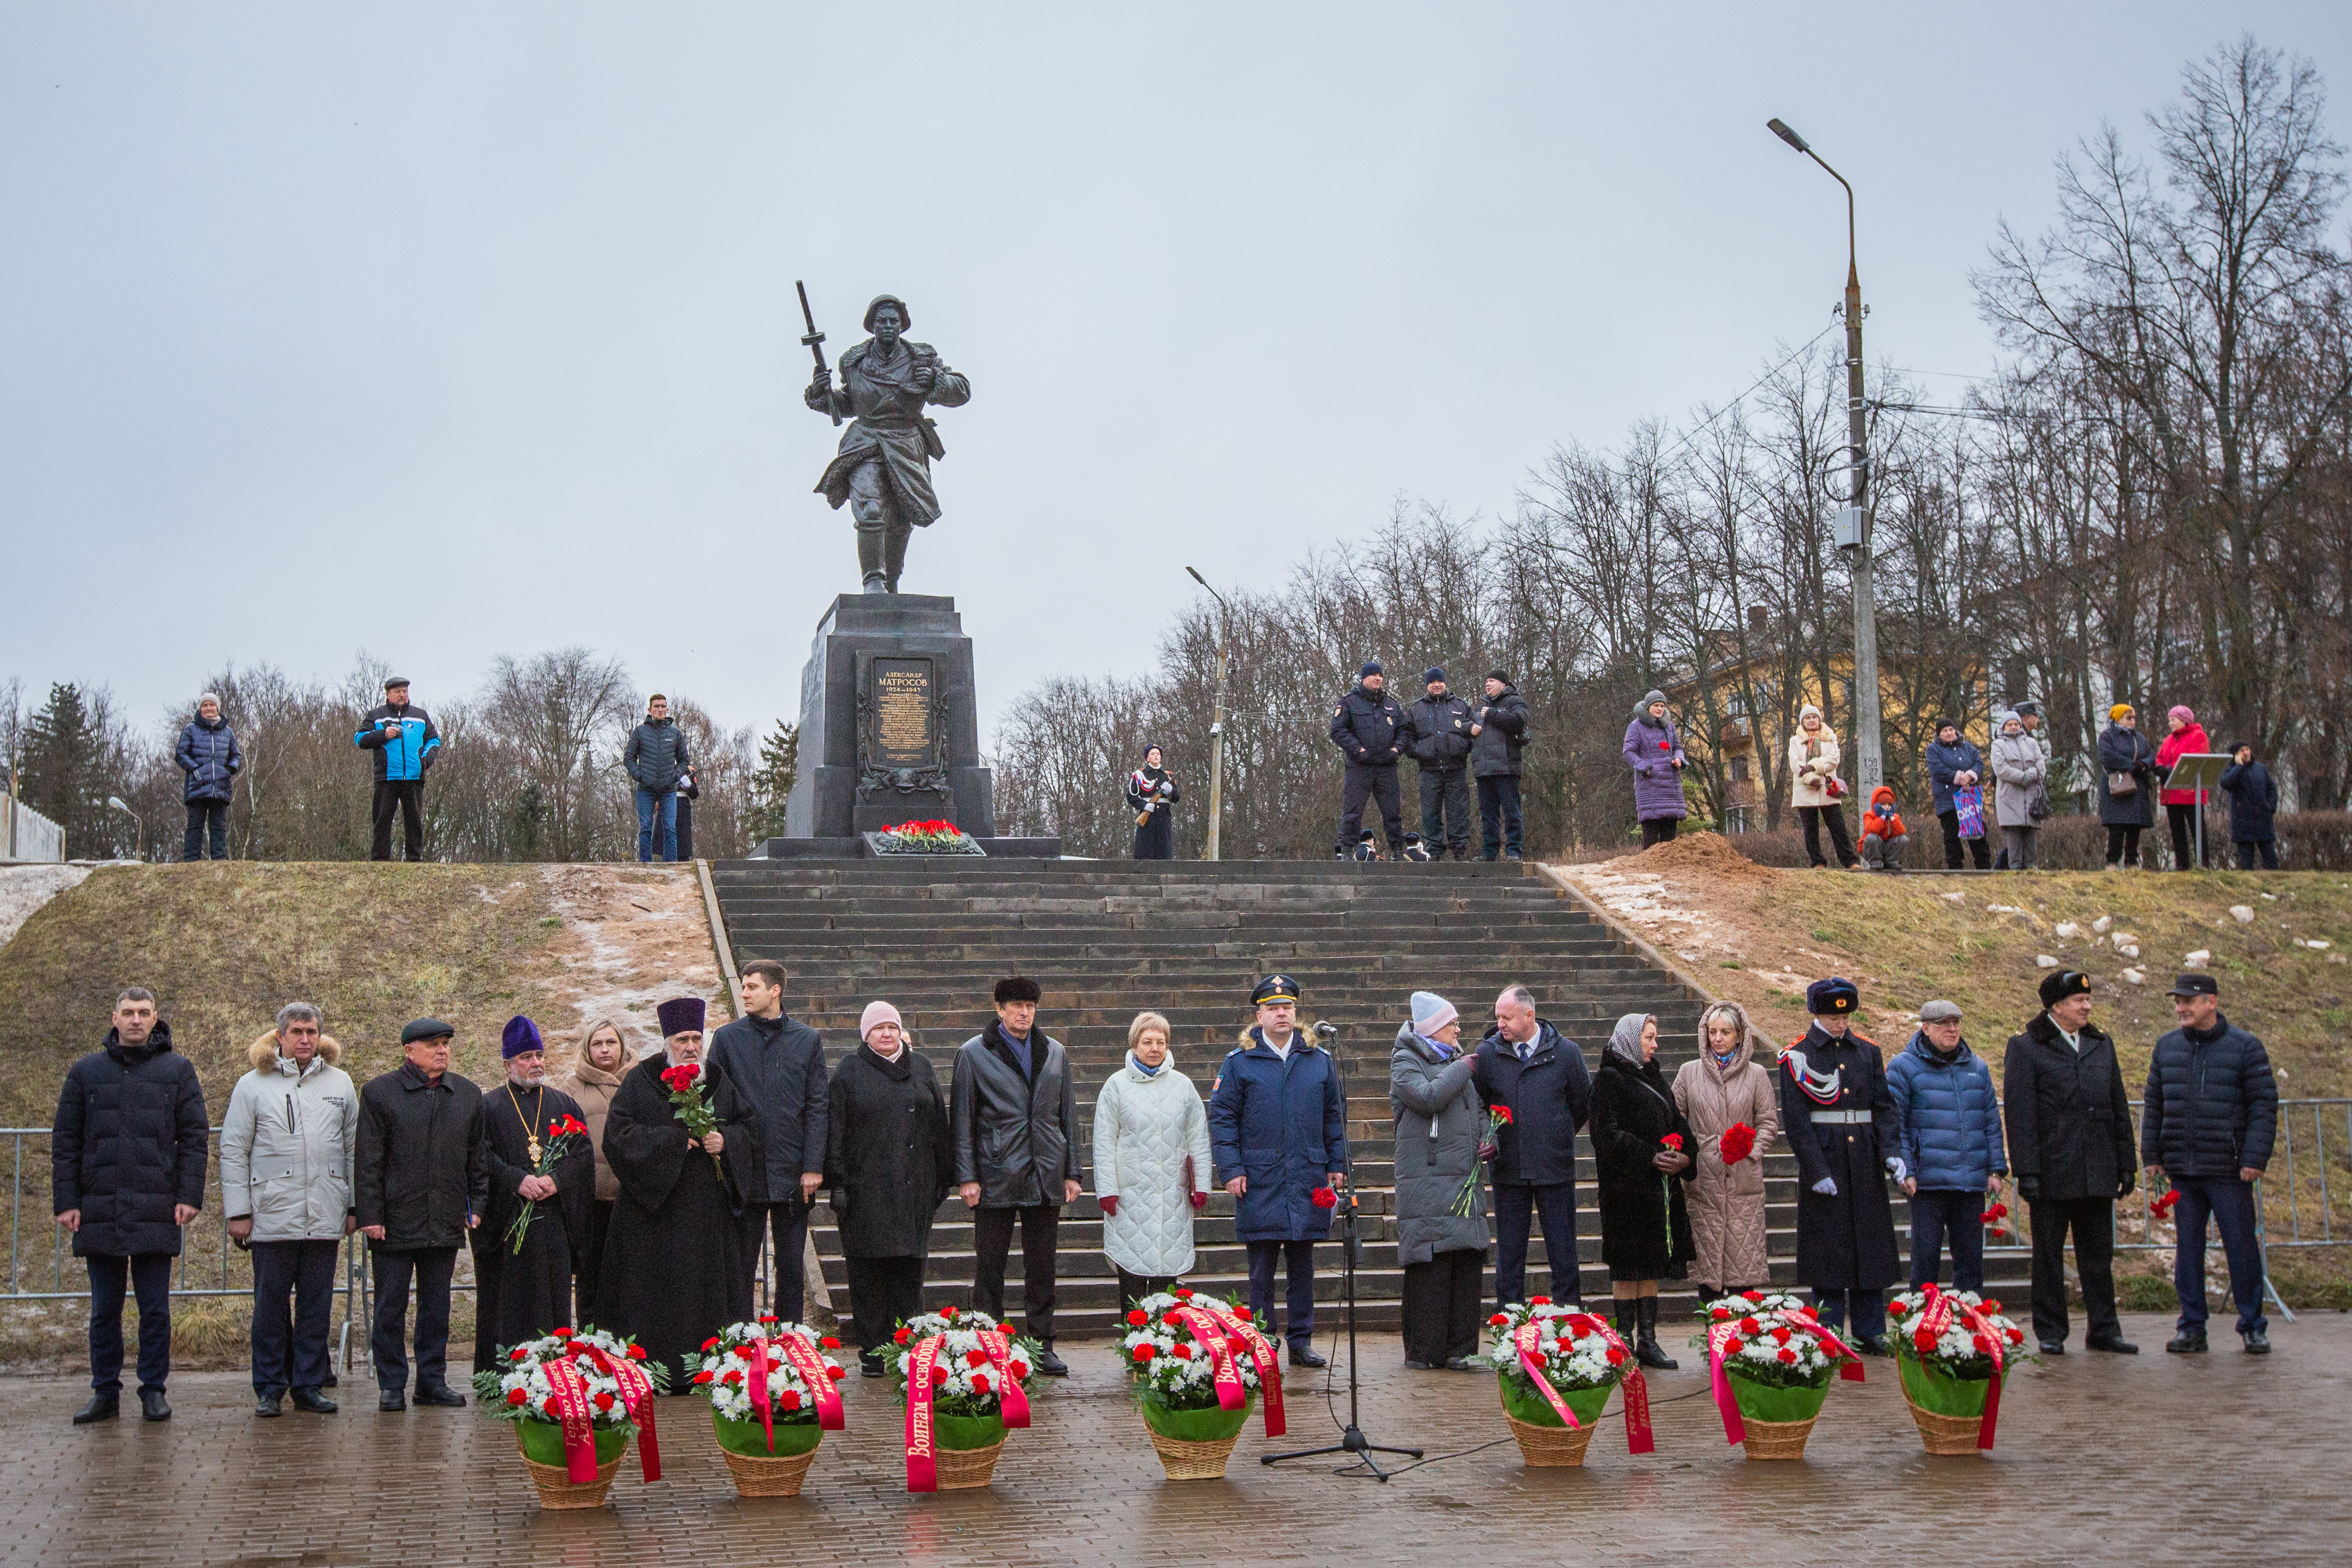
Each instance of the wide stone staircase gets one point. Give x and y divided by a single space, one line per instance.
1106 939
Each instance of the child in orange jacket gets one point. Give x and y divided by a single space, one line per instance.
1882 832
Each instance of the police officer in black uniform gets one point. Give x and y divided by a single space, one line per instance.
1839 1117
1442 730
1371 729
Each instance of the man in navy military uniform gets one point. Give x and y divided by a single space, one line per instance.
1372 730
1279 1129
1839 1117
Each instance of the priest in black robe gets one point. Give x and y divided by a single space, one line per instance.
671 1275
522 1295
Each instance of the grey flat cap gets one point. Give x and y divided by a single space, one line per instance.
1937 1012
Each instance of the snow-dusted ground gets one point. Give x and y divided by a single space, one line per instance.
24 888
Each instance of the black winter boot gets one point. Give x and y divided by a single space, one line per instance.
1628 1329
1645 1348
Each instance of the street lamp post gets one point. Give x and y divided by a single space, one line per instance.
1217 725
139 829
1853 531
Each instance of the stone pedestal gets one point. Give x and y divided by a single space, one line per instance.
889 721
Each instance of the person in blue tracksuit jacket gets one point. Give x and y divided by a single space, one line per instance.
405 745
1278 1131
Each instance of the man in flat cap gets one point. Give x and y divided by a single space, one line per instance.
406 745
1277 1132
2070 1143
2209 1121
1950 1143
1372 732
421 1189
524 1285
1840 1121
883 469
671 1275
1016 1150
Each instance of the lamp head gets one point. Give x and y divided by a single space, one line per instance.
116 801
1780 127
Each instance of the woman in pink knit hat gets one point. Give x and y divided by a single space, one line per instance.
889 1161
2187 739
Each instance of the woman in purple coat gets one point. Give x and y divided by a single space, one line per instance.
1655 752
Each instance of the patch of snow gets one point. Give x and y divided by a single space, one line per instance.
2045 961
2102 923
2202 955
2134 977
2319 945
2069 930
1953 898
24 888
2243 914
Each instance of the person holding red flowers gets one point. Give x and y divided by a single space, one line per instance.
1641 1149
1734 1112
1441 1210
530 1156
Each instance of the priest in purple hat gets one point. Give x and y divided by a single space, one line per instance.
670 1275
522 1270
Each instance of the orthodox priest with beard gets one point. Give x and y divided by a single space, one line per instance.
521 1294
671 1276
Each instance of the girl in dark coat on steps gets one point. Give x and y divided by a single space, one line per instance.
1645 1232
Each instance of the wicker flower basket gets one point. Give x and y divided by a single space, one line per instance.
1947 1410
1778 1419
1194 1444
765 1468
1946 1435
557 1489
1777 1439
967 1449
1546 1442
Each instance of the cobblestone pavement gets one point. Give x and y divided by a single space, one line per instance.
2152 1460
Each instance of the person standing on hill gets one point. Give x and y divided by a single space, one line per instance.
1724 1087
778 1065
2209 1120
656 760
1277 1127
1369 729
1495 743
2253 810
1814 787
1016 1149
406 745
2018 770
2069 1144
1954 764
420 1192
127 1154
2126 786
1537 1074
1951 1140
1654 750
288 1143
208 758
1840 1122
2181 805
1442 734
1152 794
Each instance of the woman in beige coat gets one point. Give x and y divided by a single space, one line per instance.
1723 1086
1812 763
594 1079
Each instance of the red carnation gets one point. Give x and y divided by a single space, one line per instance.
2162 1208
1019 1372
1673 1140
550 1405
1145 1351
636 1352
1780 1335
1719 1314
519 1353
789 1399
1983 1343
561 1333
1924 1342
1990 1306
710 1344
1539 1301
1616 1356
516 1396
1789 1356
980 1383
1733 1346
1739 1141
1750 1327
976 1358
1181 1350
829 1342
904 1336
1998 1211
604 1400
702 1376
772 1319
1137 1317
734 1375
949 1313
1498 1319
1184 1293
1325 1198
836 1373
1243 1313
1753 1295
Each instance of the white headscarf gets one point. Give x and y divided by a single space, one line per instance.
1625 1039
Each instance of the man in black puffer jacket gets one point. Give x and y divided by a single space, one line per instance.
1501 732
1369 727
127 1157
1440 735
2211 1115
656 760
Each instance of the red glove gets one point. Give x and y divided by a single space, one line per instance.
1200 1201
1110 1203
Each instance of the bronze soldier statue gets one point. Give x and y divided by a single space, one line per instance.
884 468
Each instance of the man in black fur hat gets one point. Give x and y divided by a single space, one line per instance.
1016 1150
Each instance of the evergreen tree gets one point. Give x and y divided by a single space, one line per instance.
61 763
780 764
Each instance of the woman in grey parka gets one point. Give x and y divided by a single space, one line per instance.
1440 1126
2018 770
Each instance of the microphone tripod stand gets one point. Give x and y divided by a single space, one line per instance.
1352 1440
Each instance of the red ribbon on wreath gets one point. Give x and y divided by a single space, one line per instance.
1935 1319
636 1398
1012 1399
922 1435
803 1359
1223 1372
570 1400
1262 1356
1528 1340
1718 1335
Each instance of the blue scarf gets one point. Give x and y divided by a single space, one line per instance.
1135 1062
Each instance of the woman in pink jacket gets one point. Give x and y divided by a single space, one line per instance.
2187 739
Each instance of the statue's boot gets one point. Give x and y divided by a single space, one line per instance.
894 555
869 560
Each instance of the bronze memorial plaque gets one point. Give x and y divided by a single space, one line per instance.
900 694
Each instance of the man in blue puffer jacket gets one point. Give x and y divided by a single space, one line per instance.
2210 1116
208 756
405 745
1950 1139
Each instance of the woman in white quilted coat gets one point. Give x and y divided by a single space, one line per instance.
1151 1163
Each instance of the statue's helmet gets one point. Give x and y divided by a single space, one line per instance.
906 317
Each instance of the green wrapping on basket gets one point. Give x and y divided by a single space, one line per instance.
1523 1400
1939 1391
542 1442
966 1432
1212 1425
1766 1402
745 1436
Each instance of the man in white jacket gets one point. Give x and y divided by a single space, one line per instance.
285 1185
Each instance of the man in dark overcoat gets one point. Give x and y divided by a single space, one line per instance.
2070 1147
778 1064
420 1192
1278 1131
1840 1122
1537 1074
1017 1152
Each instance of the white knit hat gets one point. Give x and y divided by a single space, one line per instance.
1431 1012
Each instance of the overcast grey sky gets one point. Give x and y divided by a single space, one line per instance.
451 330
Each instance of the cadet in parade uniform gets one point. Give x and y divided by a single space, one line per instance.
1371 729
1278 1131
1839 1119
